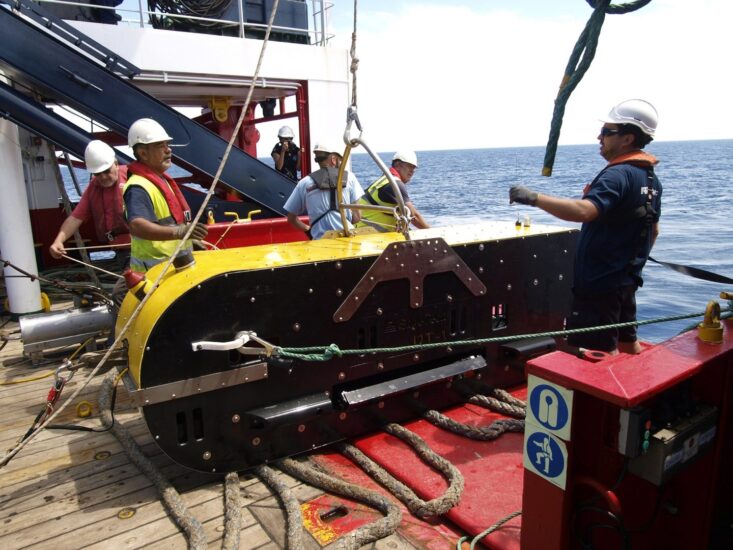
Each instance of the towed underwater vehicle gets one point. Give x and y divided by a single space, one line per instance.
218 395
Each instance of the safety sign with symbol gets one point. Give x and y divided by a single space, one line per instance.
550 406
545 455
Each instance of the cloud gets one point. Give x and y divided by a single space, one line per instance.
454 76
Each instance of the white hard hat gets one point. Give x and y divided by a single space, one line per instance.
327 147
285 132
406 156
98 156
146 130
637 112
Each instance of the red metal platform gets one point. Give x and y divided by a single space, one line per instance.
492 470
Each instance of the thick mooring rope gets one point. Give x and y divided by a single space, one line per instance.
171 499
480 433
500 401
417 506
366 534
293 513
577 66
232 512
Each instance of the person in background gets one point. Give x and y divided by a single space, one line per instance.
286 153
156 210
620 212
315 195
101 202
381 193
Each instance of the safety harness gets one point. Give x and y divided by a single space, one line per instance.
326 179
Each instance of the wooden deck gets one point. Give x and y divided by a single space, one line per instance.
71 489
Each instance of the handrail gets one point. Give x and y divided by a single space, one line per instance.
318 32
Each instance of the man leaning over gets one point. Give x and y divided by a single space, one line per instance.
380 193
315 195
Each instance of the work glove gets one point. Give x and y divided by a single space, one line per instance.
522 195
199 231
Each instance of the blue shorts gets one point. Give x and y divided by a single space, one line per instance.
591 309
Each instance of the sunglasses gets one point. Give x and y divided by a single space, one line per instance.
605 132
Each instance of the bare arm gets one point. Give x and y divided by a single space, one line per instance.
570 210
417 219
294 220
68 228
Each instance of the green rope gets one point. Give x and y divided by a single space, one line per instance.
579 62
325 353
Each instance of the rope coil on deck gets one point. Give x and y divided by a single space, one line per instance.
366 534
500 401
171 499
417 506
293 512
232 513
480 433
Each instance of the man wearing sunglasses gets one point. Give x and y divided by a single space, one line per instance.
101 202
620 212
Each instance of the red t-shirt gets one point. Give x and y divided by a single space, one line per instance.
103 205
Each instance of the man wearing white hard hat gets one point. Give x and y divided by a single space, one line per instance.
156 210
286 153
381 193
101 202
315 195
620 212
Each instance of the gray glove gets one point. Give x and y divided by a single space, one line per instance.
199 231
522 195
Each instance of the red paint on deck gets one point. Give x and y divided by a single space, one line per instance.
492 470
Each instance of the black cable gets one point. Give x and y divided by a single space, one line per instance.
584 538
74 427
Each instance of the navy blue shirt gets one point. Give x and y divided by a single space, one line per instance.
138 204
290 162
611 250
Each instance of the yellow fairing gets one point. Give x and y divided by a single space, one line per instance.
265 257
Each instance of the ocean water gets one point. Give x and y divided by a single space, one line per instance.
696 226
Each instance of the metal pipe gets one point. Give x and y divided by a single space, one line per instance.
52 330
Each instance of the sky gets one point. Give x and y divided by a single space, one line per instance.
485 73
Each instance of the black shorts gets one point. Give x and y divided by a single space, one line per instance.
603 308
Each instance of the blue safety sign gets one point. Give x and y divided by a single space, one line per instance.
546 456
549 406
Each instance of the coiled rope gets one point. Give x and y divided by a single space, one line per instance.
326 353
171 499
417 506
501 401
293 513
579 62
233 512
366 534
480 433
